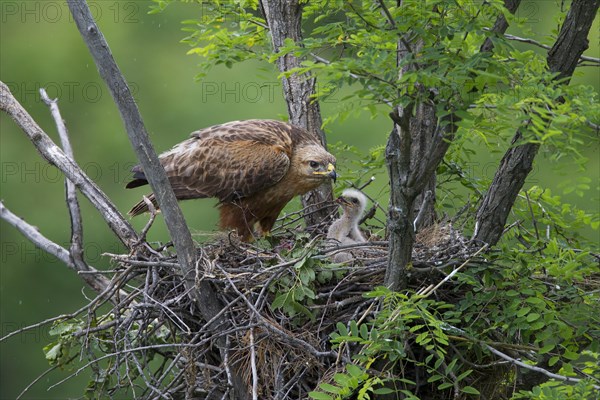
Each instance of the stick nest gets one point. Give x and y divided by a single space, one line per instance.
280 299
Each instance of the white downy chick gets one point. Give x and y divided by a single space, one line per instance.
345 229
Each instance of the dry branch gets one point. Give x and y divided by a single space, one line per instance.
97 282
202 292
55 156
110 73
76 248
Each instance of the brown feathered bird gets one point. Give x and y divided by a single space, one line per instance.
253 167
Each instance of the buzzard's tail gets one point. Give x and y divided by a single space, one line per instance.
142 207
139 179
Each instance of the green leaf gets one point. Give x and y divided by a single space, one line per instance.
547 348
341 379
319 396
53 351
280 301
532 317
470 390
464 375
354 370
330 388
570 355
341 327
384 390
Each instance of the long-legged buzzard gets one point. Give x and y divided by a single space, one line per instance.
253 167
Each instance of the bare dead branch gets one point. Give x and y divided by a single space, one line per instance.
290 339
34 236
253 366
204 295
76 248
55 156
110 73
430 289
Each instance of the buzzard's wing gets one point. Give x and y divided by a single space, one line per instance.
228 162
226 170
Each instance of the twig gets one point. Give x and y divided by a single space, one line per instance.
143 375
425 292
269 326
387 13
43 374
44 322
533 367
355 76
253 366
122 352
427 198
126 259
517 362
546 47
148 225
34 236
226 360
97 282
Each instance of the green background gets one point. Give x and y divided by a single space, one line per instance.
41 47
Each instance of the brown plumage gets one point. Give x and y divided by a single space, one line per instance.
253 167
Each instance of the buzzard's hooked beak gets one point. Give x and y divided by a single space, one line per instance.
330 172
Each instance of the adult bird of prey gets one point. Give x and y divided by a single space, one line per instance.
254 168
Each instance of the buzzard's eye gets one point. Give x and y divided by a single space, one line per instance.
355 201
314 164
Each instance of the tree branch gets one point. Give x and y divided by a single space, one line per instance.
533 367
518 161
501 25
110 73
55 156
546 47
203 293
97 282
76 248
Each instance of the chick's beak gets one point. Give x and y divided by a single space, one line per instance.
341 200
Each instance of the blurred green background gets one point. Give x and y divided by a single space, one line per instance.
40 47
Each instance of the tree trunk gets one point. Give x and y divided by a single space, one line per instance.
415 148
400 210
517 162
500 25
284 19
